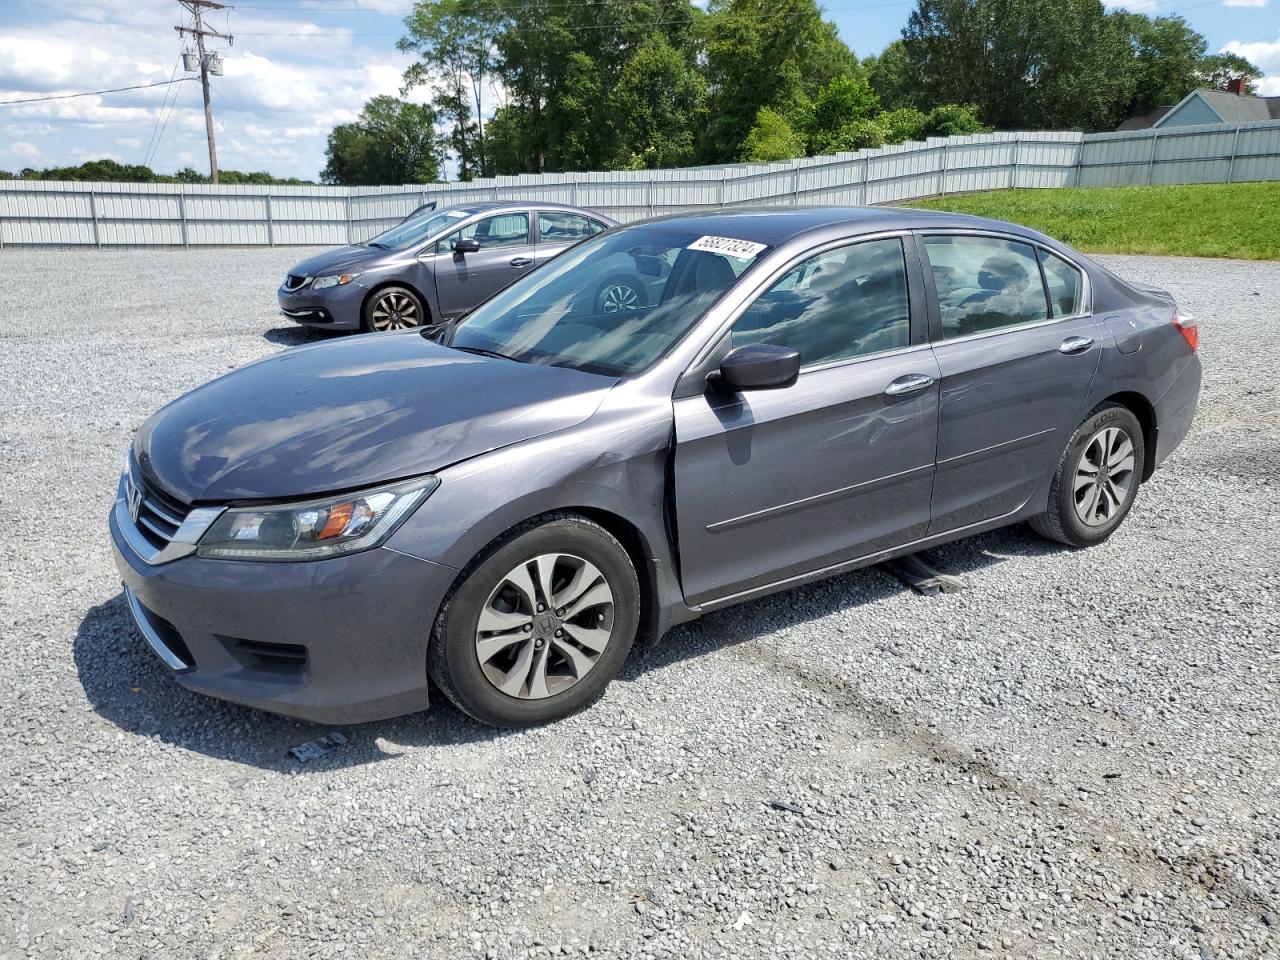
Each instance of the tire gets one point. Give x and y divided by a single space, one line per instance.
547 675
620 293
393 308
1088 503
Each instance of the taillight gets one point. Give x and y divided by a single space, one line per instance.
1187 327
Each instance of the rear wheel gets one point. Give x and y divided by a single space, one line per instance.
1097 479
393 308
539 625
620 294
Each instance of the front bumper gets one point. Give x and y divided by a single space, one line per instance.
342 640
333 308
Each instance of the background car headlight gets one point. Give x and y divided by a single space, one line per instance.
319 283
317 528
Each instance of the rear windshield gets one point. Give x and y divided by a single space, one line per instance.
613 304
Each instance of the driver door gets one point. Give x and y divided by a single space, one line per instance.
464 280
773 484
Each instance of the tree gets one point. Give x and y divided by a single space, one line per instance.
778 54
1166 53
1217 69
657 107
953 120
901 125
771 137
891 78
455 42
840 118
391 142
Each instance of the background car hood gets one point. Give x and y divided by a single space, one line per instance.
353 413
339 261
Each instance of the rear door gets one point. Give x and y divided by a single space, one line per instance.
1017 359
506 251
558 230
771 484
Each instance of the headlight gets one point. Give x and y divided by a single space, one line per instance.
317 528
319 283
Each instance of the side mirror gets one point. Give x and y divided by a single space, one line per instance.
758 366
466 245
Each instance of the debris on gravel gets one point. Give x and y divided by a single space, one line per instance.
1075 756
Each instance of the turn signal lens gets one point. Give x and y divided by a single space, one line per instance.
1189 330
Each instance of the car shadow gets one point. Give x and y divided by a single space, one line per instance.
128 686
296 336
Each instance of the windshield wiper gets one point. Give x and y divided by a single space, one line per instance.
481 351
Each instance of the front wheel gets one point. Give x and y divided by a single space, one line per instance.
539 625
620 294
393 308
1097 479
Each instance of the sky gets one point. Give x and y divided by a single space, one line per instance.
298 67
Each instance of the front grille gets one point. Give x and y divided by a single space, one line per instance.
159 515
295 282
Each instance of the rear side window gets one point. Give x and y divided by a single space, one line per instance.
1066 286
565 227
985 283
843 303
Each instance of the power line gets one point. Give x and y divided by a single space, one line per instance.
146 157
154 151
93 93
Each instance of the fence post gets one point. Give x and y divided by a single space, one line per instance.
1151 157
866 174
1013 171
722 178
271 233
348 199
942 172
93 212
648 193
182 216
573 191
1079 160
795 183
1231 164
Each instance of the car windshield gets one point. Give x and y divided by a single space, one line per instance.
420 228
613 304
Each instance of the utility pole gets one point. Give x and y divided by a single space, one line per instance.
196 8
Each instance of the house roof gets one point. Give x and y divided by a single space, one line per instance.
1229 107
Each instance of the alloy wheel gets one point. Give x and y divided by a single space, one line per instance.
544 626
618 297
394 311
1104 476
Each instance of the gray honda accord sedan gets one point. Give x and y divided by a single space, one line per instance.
506 507
438 264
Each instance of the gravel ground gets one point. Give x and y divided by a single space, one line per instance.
1077 756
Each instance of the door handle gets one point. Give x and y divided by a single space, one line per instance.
1075 345
521 262
909 384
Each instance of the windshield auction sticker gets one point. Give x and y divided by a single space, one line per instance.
729 247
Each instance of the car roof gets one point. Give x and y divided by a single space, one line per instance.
484 206
778 225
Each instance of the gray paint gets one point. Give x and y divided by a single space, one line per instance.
720 497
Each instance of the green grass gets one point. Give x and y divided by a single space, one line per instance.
1200 220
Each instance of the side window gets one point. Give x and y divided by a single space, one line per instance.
555 227
843 303
985 283
504 230
1066 287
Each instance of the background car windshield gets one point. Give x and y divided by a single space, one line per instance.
561 314
414 231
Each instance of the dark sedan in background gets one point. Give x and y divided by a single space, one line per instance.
505 507
438 264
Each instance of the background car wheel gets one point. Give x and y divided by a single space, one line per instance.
539 625
1096 480
620 293
393 308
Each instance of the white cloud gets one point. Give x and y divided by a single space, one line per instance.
1244 3
131 142
1265 54
1135 6
22 151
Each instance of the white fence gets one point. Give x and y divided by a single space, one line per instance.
35 213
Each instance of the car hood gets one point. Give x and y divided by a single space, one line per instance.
338 261
353 413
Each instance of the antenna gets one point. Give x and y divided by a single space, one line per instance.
208 63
